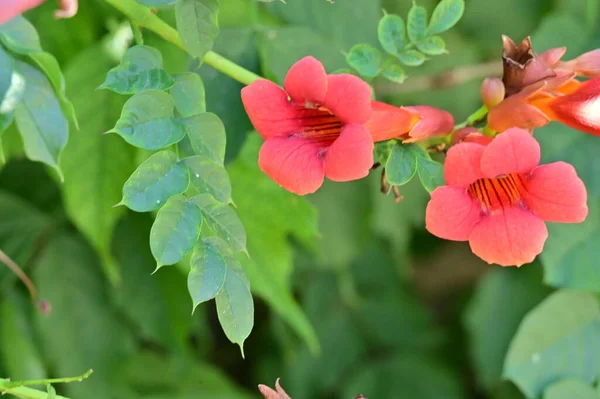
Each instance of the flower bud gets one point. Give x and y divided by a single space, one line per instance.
492 92
588 64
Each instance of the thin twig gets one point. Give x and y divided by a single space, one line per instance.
4 258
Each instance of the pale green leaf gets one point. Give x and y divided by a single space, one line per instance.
207 135
175 230
365 59
412 58
147 121
51 392
416 25
188 94
570 389
197 25
392 34
445 15
209 264
432 45
20 36
6 74
154 181
401 165
207 176
394 73
157 3
223 220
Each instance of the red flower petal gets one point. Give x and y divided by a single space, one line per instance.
292 163
432 122
387 121
509 238
306 81
462 166
269 110
451 213
350 157
515 111
11 8
579 109
514 151
556 194
348 98
68 9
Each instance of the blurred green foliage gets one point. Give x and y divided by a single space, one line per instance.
353 296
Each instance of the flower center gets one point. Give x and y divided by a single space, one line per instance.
320 125
497 193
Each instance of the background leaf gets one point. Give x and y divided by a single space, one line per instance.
208 176
207 136
392 33
188 94
570 388
445 15
365 59
416 25
401 165
208 269
197 25
20 36
394 73
412 58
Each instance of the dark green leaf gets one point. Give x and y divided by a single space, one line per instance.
207 176
147 121
175 230
20 36
445 15
141 69
431 173
401 165
432 45
207 135
412 58
197 25
209 265
6 76
188 94
560 338
394 73
222 220
365 59
235 307
157 3
416 23
41 123
569 389
392 34
383 149
154 181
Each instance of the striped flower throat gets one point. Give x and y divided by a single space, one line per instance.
493 195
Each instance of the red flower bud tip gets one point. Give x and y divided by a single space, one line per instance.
44 307
497 197
68 9
269 393
470 135
492 91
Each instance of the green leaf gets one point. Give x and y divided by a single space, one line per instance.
141 69
568 389
13 95
445 15
393 73
430 172
157 179
209 264
401 165
365 59
41 123
175 230
392 34
558 339
432 45
157 3
197 25
147 121
412 58
48 64
20 36
492 317
51 392
6 75
222 220
188 94
207 136
235 307
207 176
416 23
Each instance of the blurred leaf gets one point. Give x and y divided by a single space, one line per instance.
365 59
401 164
416 25
412 58
209 264
188 94
140 69
197 25
567 389
393 73
392 33
222 220
207 136
83 330
432 45
157 3
560 29
175 230
431 173
6 73
51 392
20 36
147 121
19 354
492 317
445 15
155 181
95 166
208 176
558 339
271 215
41 123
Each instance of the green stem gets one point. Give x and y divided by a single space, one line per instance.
143 16
474 117
24 392
12 385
